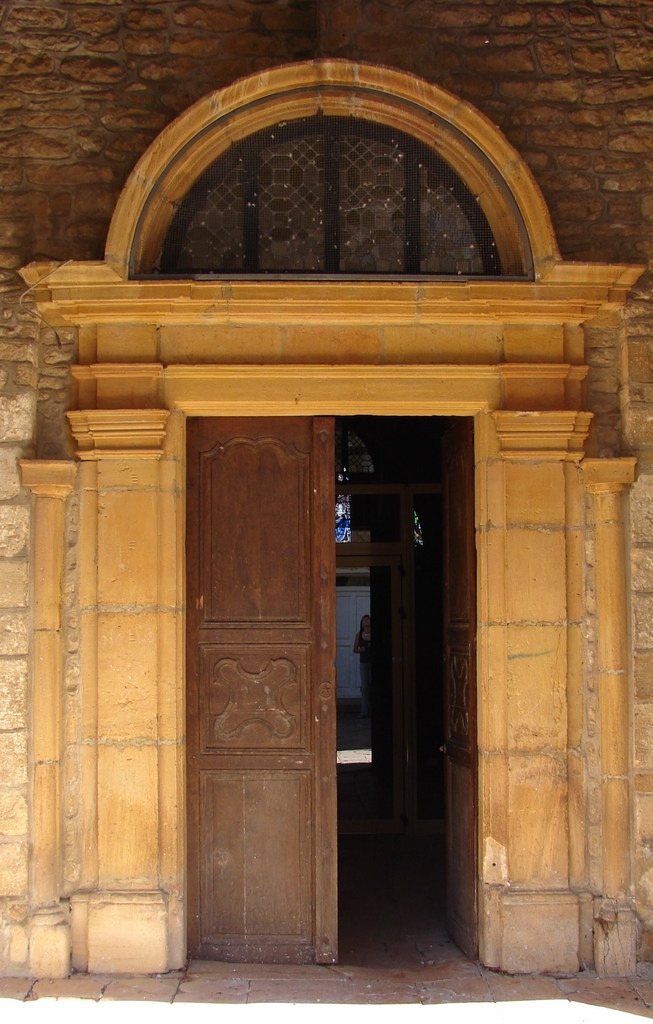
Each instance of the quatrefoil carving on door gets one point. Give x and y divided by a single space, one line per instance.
248 693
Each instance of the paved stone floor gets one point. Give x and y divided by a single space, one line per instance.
454 989
395 957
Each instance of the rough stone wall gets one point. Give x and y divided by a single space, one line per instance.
18 357
85 85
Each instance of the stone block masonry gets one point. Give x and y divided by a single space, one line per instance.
18 357
86 89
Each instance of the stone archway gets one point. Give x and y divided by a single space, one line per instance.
509 353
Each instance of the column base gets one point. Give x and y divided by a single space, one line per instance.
49 943
120 932
615 938
528 932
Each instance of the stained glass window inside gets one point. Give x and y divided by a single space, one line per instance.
418 536
343 518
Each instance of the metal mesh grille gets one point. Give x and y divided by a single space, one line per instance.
212 235
352 454
329 195
371 208
290 205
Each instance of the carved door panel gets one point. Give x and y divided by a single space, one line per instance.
261 694
460 684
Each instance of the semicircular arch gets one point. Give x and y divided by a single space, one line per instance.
467 140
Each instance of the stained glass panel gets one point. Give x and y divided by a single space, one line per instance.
343 518
332 195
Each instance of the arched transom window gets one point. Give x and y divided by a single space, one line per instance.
329 195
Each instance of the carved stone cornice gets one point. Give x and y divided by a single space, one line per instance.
115 385
118 371
543 435
605 475
119 433
93 293
48 478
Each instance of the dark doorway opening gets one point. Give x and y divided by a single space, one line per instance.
392 744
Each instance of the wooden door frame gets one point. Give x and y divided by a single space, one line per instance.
460 685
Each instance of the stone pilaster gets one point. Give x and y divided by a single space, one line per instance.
49 933
128 598
528 554
614 910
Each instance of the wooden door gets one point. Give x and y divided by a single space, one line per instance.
261 696
460 685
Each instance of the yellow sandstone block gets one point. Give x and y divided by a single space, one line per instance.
539 929
493 793
220 343
170 554
127 474
616 862
127 934
87 343
332 345
537 683
522 391
49 945
537 821
128 548
492 691
492 574
533 343
170 670
535 570
127 676
575 684
535 493
126 343
495 493
127 817
450 343
122 391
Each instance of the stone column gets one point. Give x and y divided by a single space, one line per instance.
125 916
614 911
49 934
528 673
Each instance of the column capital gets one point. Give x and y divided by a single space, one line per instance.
557 434
48 478
119 433
605 475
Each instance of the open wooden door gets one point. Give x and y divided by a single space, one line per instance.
261 693
460 685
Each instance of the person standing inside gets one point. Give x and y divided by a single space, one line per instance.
363 648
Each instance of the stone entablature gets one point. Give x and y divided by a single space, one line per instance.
95 293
